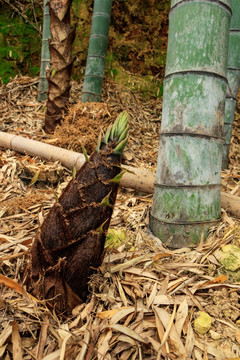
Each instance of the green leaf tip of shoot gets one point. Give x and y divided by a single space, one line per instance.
118 177
84 152
120 147
100 229
126 170
35 178
105 201
118 132
106 137
98 143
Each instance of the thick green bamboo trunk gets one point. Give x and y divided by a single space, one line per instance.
233 76
187 188
45 53
94 73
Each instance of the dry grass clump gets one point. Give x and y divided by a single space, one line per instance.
21 203
83 125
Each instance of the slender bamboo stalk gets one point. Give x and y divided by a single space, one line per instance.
94 73
61 62
139 179
187 200
233 77
45 53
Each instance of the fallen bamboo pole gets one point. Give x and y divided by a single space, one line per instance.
138 179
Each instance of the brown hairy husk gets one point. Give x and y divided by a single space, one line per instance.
70 243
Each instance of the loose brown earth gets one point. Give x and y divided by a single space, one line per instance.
144 298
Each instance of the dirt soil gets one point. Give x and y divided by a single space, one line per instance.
145 299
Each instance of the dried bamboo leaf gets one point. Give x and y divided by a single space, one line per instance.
5 334
2 350
155 344
16 342
87 309
152 296
110 258
164 285
126 339
217 280
104 346
141 272
42 338
129 263
169 300
87 336
212 350
11 284
195 300
190 341
65 335
181 316
110 313
122 293
160 330
126 331
161 256
53 356
170 330
121 314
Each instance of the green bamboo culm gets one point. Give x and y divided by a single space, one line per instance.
186 200
45 53
94 73
233 77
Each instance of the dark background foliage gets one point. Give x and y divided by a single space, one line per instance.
137 40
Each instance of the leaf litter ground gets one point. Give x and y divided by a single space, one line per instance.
145 297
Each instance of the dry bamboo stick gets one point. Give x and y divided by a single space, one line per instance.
231 203
138 179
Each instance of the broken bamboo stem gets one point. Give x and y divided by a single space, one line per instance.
139 179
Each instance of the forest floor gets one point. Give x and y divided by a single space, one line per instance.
145 298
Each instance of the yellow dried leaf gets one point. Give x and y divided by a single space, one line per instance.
218 280
11 284
35 177
110 313
160 256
